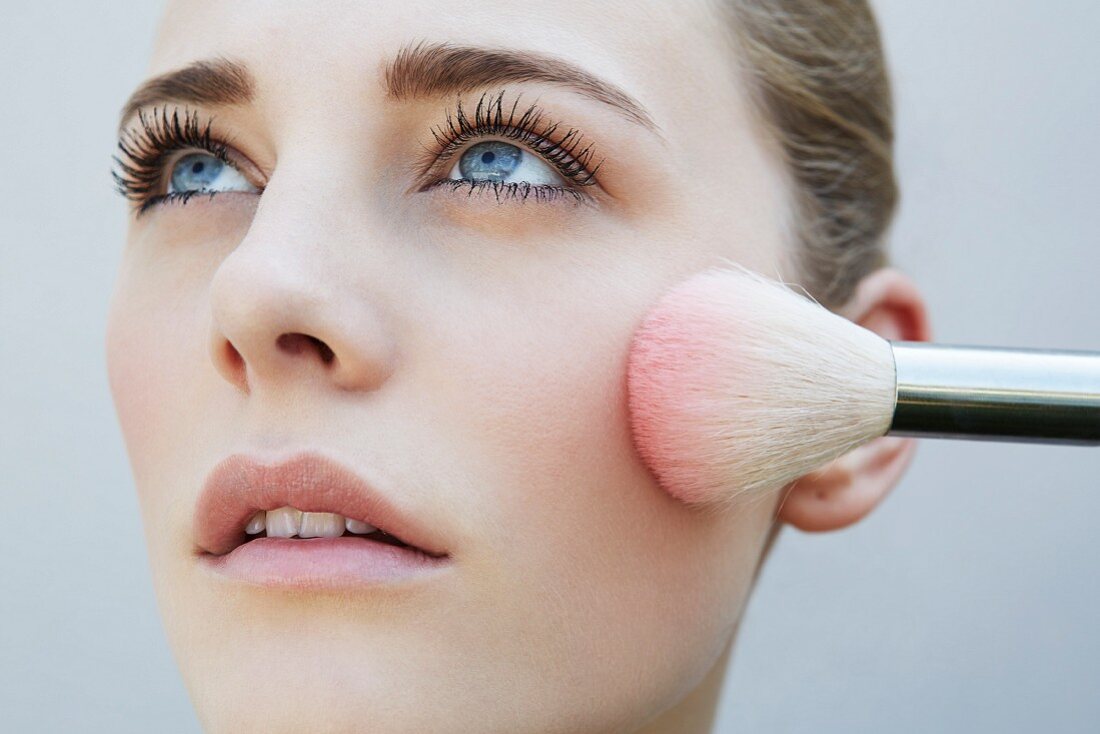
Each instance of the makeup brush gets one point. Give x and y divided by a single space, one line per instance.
738 384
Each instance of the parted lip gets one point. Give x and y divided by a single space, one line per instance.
240 484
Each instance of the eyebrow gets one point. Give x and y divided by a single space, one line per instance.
217 81
423 69
437 69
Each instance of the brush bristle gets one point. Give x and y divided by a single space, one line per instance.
739 385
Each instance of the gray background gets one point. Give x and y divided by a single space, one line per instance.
968 602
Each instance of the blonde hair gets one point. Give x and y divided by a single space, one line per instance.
820 79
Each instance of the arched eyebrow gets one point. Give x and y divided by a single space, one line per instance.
218 81
438 69
423 69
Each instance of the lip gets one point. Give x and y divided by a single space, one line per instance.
240 485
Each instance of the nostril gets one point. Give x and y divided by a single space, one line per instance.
295 343
230 363
232 356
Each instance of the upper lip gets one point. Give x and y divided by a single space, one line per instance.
240 485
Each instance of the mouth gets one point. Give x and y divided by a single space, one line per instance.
290 522
307 522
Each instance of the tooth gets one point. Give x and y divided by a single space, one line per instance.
283 522
257 523
358 526
321 525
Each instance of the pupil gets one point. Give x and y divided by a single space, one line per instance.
197 167
488 156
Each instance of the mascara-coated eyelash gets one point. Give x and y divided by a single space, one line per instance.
139 173
569 155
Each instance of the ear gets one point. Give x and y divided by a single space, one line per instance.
888 303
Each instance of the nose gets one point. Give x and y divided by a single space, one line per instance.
282 314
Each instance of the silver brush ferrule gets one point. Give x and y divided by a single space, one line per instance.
994 394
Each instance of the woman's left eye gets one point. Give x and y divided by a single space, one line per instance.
199 172
496 160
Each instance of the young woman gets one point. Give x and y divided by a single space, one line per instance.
383 268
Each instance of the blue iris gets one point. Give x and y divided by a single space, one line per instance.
196 172
491 160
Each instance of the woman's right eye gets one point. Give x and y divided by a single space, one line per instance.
203 172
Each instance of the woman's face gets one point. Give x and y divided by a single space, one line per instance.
461 346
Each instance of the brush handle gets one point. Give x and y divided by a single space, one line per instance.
994 394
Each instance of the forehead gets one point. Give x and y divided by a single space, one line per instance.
664 54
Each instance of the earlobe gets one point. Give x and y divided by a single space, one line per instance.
841 493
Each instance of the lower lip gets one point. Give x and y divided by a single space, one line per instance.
320 563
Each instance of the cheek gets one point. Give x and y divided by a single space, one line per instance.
133 369
578 549
153 343
157 324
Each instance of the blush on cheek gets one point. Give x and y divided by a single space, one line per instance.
143 363
127 374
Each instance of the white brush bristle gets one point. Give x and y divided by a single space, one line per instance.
739 385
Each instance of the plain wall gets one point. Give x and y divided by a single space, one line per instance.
967 603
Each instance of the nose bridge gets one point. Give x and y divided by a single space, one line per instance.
285 307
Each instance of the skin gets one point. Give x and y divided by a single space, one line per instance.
478 377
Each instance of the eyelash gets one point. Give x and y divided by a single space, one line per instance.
146 150
530 130
139 172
